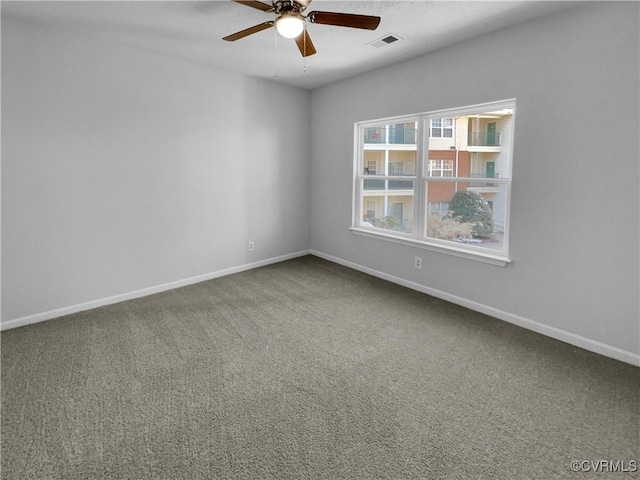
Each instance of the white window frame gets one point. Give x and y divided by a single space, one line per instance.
418 238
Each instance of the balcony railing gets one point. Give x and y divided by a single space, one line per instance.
375 184
370 184
484 139
405 136
400 185
483 176
397 136
375 135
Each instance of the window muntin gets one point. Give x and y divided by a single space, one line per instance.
419 197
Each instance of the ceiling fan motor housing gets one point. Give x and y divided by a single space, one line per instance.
287 6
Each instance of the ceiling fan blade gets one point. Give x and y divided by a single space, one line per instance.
305 44
248 31
366 22
255 4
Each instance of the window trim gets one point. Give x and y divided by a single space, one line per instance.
417 238
404 239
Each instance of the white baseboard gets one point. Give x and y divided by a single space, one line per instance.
556 333
40 317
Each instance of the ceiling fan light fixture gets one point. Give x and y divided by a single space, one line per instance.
290 25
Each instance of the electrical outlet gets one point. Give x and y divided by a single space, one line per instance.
251 246
417 262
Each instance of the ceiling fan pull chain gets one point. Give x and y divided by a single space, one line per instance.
304 57
276 40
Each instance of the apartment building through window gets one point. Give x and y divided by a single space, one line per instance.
442 180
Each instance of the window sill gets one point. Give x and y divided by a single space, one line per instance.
478 256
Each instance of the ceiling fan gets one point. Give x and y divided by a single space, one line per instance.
291 23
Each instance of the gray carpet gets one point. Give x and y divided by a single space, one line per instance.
305 370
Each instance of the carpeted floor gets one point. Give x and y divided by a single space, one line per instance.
305 370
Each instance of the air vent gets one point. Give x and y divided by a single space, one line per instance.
386 40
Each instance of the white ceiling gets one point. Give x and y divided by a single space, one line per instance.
193 31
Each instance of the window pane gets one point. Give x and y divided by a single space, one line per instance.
374 135
402 162
475 215
373 162
389 210
403 133
386 192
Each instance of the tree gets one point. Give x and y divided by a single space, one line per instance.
470 207
447 228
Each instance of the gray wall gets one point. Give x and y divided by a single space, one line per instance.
574 212
123 170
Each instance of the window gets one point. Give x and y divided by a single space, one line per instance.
440 168
371 209
441 127
396 168
452 199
